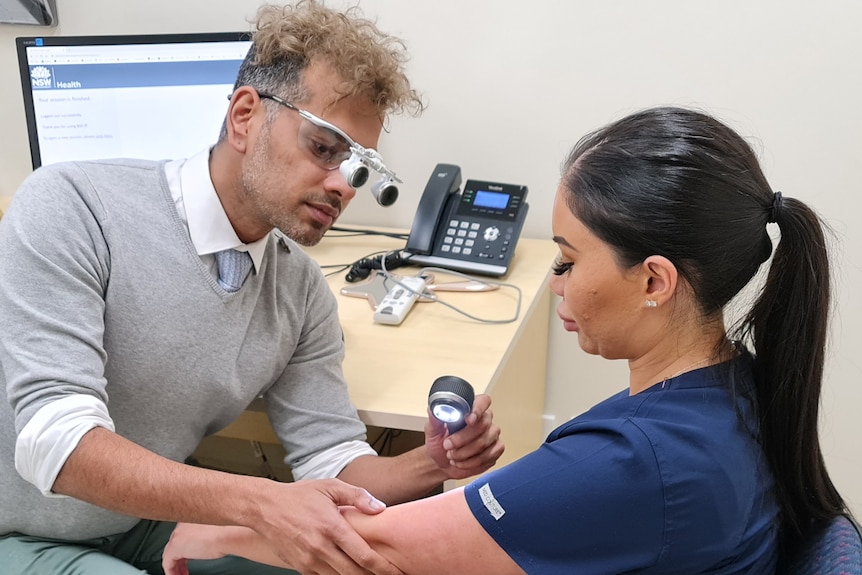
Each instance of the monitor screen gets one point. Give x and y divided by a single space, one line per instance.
146 96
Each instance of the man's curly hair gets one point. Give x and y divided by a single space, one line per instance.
289 38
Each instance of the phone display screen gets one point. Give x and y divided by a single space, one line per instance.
493 200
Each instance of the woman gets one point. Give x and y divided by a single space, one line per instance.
710 461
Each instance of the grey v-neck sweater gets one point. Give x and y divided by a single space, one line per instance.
102 293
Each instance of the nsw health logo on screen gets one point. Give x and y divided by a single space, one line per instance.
40 77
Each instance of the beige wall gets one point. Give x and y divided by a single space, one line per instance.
512 85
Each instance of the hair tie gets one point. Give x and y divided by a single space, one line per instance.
777 204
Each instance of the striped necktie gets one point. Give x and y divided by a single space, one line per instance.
233 268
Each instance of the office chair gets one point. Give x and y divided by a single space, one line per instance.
834 548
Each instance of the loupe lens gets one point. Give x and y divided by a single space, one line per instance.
354 171
385 192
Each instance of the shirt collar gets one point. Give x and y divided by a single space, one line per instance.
209 227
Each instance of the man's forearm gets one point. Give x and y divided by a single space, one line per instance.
471 451
395 479
109 471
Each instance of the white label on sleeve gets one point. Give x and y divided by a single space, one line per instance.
491 504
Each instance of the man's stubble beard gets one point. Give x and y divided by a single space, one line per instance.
255 179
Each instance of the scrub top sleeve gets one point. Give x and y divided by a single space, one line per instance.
592 501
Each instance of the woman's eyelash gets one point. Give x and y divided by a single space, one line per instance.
561 267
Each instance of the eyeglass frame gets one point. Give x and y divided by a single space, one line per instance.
369 157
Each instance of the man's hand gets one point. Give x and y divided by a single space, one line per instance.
307 532
299 526
470 451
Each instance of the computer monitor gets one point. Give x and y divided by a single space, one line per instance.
135 96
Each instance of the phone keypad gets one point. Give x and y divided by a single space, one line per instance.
463 236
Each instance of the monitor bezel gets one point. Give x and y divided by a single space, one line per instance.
24 42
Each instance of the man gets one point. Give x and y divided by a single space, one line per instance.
125 341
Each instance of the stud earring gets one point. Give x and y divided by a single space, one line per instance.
651 303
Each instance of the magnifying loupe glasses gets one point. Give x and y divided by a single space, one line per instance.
331 148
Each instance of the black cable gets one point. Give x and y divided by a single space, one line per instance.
361 269
350 232
343 267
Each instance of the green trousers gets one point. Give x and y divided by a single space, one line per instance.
134 552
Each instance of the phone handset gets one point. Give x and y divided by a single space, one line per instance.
445 181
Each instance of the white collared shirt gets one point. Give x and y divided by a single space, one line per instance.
199 207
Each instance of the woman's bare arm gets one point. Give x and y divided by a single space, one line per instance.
434 535
429 536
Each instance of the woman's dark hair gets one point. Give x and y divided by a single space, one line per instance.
679 183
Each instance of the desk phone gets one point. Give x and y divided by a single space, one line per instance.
472 231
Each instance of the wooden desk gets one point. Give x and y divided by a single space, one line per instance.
389 369
4 202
